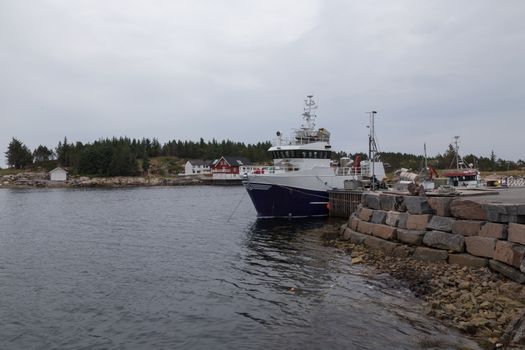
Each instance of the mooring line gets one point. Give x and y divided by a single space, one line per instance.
237 206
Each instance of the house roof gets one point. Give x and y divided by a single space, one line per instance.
199 162
237 161
58 169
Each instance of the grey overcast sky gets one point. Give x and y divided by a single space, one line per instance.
239 69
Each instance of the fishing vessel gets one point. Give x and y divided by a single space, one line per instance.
302 172
462 176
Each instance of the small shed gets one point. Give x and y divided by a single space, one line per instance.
58 174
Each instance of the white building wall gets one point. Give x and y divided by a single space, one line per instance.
188 168
58 175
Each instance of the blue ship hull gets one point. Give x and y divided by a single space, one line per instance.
272 201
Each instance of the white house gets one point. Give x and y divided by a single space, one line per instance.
197 166
58 174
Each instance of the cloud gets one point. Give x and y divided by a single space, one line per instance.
240 70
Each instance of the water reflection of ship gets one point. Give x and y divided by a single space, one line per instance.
293 251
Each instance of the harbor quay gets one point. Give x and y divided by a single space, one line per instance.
469 250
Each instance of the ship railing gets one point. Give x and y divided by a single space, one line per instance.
285 141
353 171
225 176
342 171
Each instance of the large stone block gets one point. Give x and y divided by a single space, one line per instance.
505 213
384 232
467 260
444 240
516 233
371 200
481 246
403 251
467 227
495 212
357 238
392 218
507 271
429 254
467 209
346 233
403 218
490 229
365 214
410 236
365 227
441 223
390 201
440 205
378 217
342 229
418 222
380 244
353 222
417 205
509 253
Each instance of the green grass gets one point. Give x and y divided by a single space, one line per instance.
10 171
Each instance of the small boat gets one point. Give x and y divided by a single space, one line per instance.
302 172
462 176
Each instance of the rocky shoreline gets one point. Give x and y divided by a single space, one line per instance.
482 304
465 258
39 180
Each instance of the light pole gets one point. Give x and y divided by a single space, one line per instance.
372 147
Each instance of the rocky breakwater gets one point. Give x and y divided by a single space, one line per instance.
123 181
41 179
484 242
25 179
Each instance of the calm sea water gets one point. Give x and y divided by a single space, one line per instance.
164 268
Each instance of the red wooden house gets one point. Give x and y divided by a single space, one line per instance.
229 165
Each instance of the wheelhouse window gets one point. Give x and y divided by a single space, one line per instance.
299 154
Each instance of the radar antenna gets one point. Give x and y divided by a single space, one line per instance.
308 116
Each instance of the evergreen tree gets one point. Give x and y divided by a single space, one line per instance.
18 155
42 154
145 163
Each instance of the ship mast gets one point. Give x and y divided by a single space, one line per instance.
372 146
309 118
456 149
